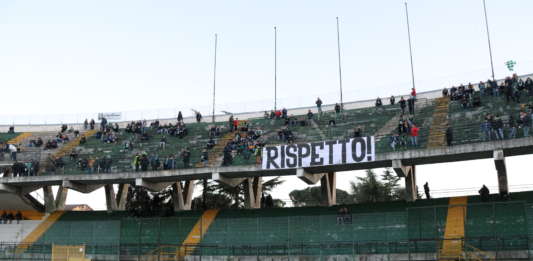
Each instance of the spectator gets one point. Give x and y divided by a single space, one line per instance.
337 109
525 123
512 127
392 100
319 105
444 92
411 105
198 116
449 135
186 156
309 115
378 102
204 157
426 190
18 217
13 150
180 117
85 124
484 193
163 142
413 93
402 104
414 135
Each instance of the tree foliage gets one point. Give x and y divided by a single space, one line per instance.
312 196
371 189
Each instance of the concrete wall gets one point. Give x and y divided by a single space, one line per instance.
15 233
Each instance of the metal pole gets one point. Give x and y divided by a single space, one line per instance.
488 38
214 78
339 55
275 67
410 47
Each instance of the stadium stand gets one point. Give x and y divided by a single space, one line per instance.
447 227
462 110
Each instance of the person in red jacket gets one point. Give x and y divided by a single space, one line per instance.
413 92
414 135
236 124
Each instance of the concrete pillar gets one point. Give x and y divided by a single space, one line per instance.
110 198
410 184
499 163
61 198
122 196
49 202
328 186
182 195
254 191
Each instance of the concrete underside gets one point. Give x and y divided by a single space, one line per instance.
14 201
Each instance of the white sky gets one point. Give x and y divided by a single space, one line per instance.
60 60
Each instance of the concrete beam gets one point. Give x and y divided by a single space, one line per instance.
501 169
328 186
9 188
152 186
110 198
182 195
233 182
307 177
122 196
82 188
254 192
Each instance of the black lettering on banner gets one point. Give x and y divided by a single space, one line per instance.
290 151
330 144
282 152
315 155
301 153
271 158
355 157
343 143
368 148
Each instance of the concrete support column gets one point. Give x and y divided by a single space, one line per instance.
409 173
110 198
410 184
182 195
254 191
499 163
328 186
49 202
122 196
61 198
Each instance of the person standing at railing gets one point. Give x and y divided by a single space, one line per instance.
414 135
512 127
402 104
449 135
319 105
524 122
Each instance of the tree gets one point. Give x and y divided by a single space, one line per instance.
371 189
143 203
220 195
312 196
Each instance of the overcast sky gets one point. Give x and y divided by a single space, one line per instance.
60 60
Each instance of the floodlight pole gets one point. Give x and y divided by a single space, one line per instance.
488 38
214 79
275 68
410 47
339 58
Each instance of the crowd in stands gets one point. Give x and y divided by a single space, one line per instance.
497 126
8 217
407 132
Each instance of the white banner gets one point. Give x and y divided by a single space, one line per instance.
114 116
322 153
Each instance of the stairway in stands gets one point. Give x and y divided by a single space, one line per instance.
215 155
454 233
437 130
20 138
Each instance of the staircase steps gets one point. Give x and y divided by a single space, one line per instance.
454 233
437 130
20 138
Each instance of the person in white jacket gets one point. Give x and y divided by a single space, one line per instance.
13 149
